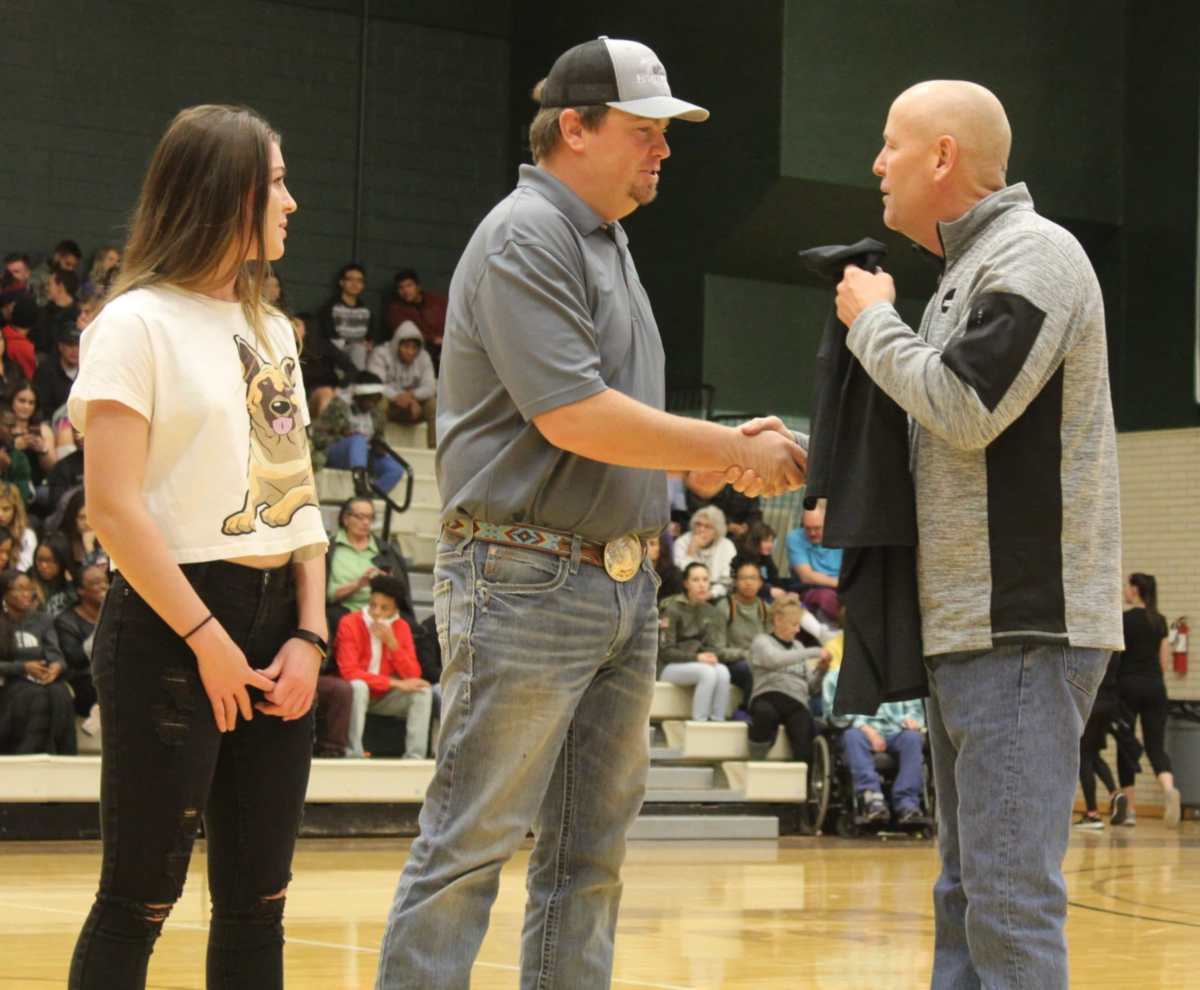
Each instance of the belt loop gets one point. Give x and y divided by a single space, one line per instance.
468 536
576 552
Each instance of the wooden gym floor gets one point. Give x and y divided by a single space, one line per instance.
818 913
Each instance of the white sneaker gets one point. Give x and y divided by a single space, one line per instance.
1171 808
90 726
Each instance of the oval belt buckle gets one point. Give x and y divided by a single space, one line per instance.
623 557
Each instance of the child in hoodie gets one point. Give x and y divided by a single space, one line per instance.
408 379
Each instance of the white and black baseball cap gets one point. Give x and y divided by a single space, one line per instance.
622 74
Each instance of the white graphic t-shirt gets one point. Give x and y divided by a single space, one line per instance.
228 471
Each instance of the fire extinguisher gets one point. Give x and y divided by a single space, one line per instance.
1179 644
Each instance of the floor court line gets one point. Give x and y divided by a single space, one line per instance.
312 943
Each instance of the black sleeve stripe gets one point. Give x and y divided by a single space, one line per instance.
992 350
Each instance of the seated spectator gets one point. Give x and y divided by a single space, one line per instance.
344 436
73 628
786 676
11 374
814 566
746 614
345 320
273 292
18 342
68 471
758 544
692 644
740 510
427 310
325 368
376 654
106 263
36 710
56 374
706 543
898 727
73 523
658 549
51 574
65 258
350 563
31 433
18 269
15 522
6 551
61 310
11 292
14 465
408 380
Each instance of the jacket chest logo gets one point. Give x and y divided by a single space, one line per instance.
946 299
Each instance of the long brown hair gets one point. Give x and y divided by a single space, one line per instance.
206 189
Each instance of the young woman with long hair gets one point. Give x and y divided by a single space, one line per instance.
1143 689
199 484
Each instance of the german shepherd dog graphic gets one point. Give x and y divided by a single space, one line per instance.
280 472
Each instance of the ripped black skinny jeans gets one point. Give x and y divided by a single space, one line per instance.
165 765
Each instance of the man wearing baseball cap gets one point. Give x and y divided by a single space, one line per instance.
551 458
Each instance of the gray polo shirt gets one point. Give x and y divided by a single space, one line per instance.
545 309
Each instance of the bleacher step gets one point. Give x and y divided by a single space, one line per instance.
681 778
653 827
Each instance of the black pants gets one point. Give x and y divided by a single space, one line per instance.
164 765
741 676
36 718
1146 698
1091 744
770 710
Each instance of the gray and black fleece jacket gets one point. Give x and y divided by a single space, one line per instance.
1011 437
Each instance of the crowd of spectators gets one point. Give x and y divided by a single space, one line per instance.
54 573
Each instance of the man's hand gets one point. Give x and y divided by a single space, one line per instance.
911 723
706 657
409 685
874 738
789 475
859 289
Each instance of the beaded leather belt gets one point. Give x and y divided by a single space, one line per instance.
620 558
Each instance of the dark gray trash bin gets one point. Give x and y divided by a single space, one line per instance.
1183 743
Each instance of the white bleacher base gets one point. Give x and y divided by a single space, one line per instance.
41 778
674 701
718 741
761 781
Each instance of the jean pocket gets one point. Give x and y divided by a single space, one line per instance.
513 569
1084 669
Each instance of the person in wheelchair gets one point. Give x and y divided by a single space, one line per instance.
897 728
786 675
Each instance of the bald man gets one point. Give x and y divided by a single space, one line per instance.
1013 453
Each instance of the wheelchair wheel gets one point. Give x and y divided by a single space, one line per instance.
819 783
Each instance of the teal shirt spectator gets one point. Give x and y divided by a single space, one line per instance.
347 564
889 718
800 550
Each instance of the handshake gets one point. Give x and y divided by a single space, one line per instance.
766 461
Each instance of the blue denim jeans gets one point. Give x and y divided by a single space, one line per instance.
354 451
1004 728
907 746
547 685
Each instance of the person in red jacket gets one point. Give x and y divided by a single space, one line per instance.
375 653
16 335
